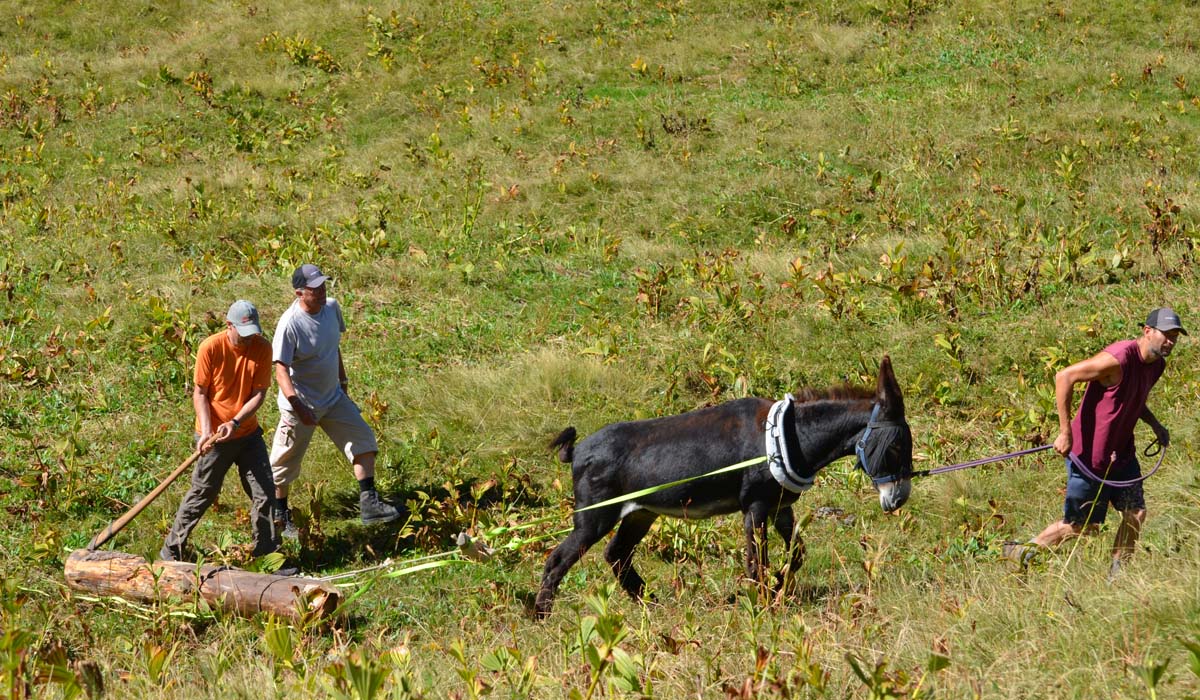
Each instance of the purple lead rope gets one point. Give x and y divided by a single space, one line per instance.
1083 468
978 462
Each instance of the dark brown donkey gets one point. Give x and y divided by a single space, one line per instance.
623 458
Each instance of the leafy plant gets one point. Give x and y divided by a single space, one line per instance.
1193 648
598 640
156 661
474 686
16 644
359 677
518 674
1150 674
881 683
301 50
279 640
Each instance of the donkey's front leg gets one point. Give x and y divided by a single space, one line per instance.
785 525
756 542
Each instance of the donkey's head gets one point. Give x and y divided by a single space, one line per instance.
885 448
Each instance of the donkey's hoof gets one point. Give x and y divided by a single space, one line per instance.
784 582
638 592
542 605
647 599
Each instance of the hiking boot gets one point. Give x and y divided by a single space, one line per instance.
1020 552
1114 570
287 528
374 509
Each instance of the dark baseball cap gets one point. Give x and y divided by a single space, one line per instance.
308 276
244 318
1165 319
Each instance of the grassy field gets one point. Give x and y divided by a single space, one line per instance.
543 214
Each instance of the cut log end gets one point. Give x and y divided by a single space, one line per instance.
242 592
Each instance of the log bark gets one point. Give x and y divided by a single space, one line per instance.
240 592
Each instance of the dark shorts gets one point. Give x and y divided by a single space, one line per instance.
1087 501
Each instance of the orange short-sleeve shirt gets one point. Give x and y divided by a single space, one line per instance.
231 374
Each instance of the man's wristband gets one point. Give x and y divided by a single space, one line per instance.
236 423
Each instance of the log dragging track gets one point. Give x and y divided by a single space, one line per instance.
235 591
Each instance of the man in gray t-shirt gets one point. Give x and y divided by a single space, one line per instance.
307 356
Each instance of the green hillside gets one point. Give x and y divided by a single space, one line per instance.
543 214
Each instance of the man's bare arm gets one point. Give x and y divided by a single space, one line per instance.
343 378
1102 368
1160 431
203 407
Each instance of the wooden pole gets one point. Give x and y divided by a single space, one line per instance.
240 592
117 525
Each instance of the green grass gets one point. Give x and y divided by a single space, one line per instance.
541 215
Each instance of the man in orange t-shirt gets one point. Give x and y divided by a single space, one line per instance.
233 373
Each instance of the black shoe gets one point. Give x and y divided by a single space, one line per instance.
374 509
287 528
173 554
288 569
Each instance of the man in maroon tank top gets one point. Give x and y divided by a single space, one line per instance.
1119 380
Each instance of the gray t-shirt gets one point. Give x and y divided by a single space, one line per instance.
308 345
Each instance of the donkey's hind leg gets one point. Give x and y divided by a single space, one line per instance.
619 553
589 528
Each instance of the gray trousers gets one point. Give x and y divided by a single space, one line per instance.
254 468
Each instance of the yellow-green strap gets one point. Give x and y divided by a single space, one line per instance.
422 567
663 487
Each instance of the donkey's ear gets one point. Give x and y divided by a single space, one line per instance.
887 392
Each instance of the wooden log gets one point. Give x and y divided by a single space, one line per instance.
233 590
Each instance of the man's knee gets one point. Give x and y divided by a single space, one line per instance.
204 489
283 475
1135 516
1057 532
285 467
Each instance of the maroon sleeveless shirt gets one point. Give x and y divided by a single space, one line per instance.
1102 429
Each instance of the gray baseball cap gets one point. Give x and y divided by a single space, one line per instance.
1165 319
244 318
308 276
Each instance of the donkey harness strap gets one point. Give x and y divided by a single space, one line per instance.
781 440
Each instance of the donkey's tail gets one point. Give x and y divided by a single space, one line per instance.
565 442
